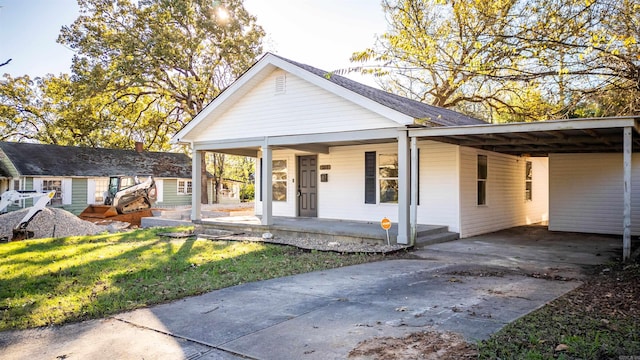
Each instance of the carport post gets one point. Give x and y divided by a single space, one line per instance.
414 190
196 180
267 182
403 187
626 236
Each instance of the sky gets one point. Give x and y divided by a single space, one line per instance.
320 33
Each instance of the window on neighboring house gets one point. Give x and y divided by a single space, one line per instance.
279 180
388 177
482 179
528 181
102 185
185 187
16 184
52 184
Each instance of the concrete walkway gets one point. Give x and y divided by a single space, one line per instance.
473 287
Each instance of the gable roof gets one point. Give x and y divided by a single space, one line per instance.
435 115
53 160
402 110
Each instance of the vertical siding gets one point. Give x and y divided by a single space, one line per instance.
170 195
304 108
506 206
586 193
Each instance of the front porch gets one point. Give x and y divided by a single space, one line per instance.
320 229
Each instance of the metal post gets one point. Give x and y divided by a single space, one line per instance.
626 237
414 190
267 177
403 188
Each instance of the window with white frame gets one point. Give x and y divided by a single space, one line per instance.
388 178
528 181
53 184
482 179
102 185
185 187
279 180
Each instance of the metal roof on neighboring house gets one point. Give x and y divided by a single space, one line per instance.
54 160
435 115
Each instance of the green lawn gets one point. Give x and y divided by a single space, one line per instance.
54 281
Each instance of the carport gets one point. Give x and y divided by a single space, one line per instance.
592 135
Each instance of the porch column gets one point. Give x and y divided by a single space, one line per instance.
196 181
404 184
414 190
626 235
267 177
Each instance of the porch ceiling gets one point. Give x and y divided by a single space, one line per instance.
540 139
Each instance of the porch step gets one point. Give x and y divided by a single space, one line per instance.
435 238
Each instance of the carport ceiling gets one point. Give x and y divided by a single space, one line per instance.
518 140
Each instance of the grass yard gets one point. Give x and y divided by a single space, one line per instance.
598 320
55 281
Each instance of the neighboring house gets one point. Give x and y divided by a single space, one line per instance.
229 192
80 175
329 147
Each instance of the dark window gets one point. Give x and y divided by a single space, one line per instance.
370 177
482 179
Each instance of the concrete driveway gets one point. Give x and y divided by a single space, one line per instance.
473 287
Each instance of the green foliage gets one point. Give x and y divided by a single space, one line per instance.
142 70
54 281
510 59
248 192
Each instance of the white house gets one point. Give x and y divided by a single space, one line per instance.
333 148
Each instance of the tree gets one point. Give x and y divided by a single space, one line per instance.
163 60
143 69
27 109
491 57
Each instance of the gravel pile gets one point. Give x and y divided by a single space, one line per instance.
50 222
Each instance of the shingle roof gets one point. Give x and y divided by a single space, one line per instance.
53 160
436 115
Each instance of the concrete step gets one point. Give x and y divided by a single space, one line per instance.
436 238
426 230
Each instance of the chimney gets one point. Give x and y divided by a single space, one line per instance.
139 146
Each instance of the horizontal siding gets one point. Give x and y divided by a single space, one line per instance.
506 206
170 194
586 193
342 196
303 109
281 208
439 185
78 196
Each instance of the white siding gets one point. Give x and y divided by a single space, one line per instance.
91 191
280 208
586 193
342 196
506 205
159 190
302 109
439 185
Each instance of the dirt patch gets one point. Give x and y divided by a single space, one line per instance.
422 345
